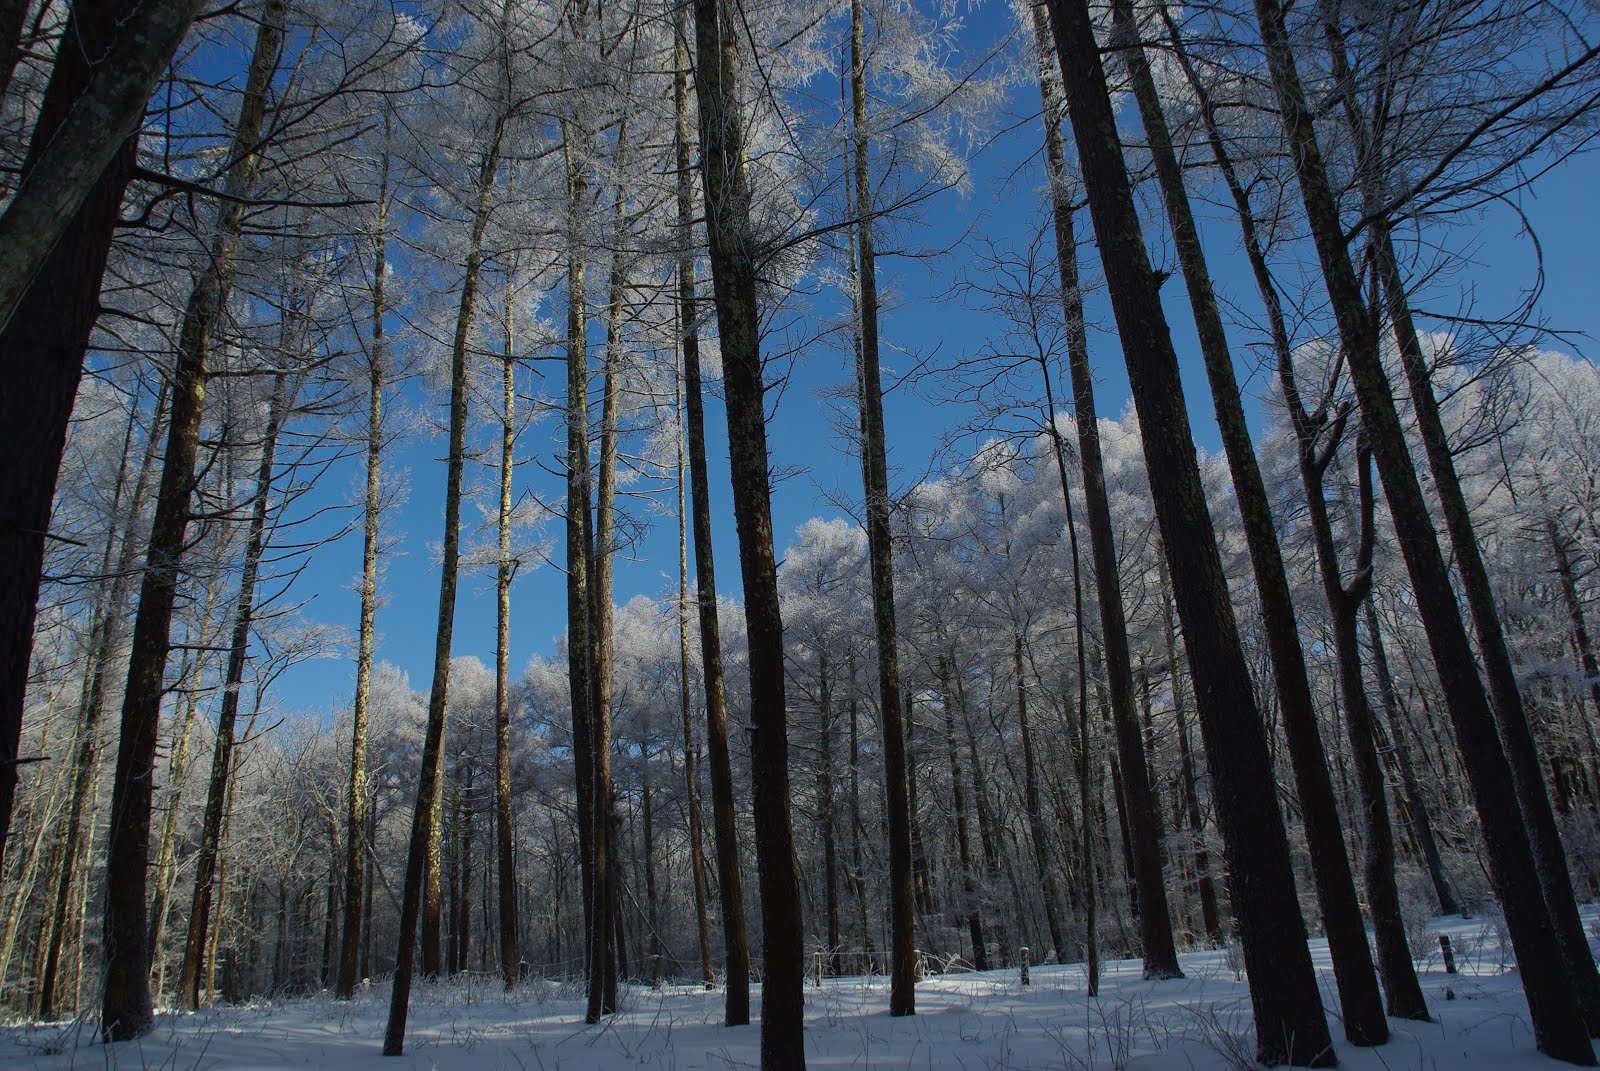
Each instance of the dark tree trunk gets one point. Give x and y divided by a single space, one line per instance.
1556 1012
1505 697
875 481
825 789
1364 1021
1160 953
969 885
1400 984
126 1006
44 343
1210 917
691 781
730 885
1290 1024
733 269
1035 811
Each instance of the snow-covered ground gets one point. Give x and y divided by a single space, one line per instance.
965 1021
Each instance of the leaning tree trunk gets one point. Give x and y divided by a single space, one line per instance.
45 341
355 846
1160 953
1504 694
125 1006
875 481
194 945
730 885
425 823
1359 998
1557 1014
1400 984
733 271
1290 1024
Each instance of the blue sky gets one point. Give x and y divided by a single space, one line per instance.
1004 200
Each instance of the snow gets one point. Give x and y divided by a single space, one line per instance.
966 1021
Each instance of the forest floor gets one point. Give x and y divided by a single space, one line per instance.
967 1021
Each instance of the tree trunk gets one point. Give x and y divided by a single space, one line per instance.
355 854
126 1006
733 272
969 886
691 782
875 482
110 618
1210 917
425 832
45 341
1364 1021
1505 697
1290 1024
1160 954
608 936
233 683
730 887
825 790
77 148
510 959
1035 811
1556 1012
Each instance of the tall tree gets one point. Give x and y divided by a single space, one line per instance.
1364 1022
1558 1025
1160 953
81 156
734 251
1290 1025
356 846
423 852
126 1011
736 944
875 482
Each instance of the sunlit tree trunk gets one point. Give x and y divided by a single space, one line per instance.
505 572
425 825
126 1006
357 805
233 682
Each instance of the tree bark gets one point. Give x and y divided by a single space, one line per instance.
875 482
733 272
45 341
505 572
233 682
1364 1021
